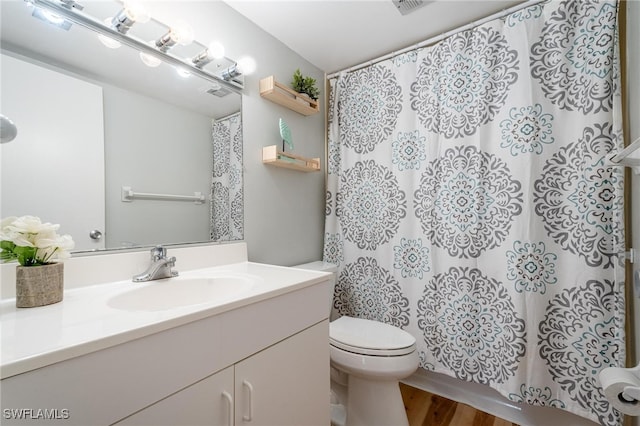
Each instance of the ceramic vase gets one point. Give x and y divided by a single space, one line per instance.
39 285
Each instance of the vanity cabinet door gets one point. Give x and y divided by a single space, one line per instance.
207 402
287 383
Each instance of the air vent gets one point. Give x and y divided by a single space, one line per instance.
220 92
408 6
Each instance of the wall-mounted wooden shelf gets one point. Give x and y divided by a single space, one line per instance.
274 157
279 93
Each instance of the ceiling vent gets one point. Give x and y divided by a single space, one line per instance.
408 6
220 91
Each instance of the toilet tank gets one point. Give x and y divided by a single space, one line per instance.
324 267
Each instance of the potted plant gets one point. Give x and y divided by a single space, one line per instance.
306 85
37 247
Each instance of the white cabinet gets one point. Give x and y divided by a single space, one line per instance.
285 384
207 402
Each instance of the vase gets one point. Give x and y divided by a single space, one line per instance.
39 285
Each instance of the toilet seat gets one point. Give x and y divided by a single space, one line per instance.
367 337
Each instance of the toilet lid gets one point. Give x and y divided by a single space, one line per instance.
363 336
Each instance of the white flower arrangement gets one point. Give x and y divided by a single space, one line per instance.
31 242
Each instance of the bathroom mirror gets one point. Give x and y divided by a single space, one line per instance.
96 125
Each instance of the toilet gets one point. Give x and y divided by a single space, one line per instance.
368 359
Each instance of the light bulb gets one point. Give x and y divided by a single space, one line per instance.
216 50
52 17
150 60
182 33
183 72
136 12
108 41
246 65
131 13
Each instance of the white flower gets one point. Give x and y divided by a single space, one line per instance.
32 225
6 222
30 232
59 245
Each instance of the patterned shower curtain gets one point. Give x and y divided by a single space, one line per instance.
227 191
470 202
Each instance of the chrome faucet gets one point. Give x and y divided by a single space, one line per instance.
160 266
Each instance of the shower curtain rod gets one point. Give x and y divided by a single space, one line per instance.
227 116
440 37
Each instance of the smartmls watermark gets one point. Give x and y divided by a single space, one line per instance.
35 413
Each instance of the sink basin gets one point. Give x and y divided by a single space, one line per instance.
181 291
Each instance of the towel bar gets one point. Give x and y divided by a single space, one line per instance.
128 195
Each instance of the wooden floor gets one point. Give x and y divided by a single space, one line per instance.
426 409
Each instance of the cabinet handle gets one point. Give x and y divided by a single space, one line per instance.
226 395
250 388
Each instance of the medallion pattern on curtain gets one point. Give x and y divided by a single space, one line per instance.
470 202
227 192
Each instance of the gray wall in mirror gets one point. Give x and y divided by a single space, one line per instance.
284 210
166 150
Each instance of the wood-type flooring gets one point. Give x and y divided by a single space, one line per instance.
427 409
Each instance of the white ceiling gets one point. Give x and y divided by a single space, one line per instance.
336 34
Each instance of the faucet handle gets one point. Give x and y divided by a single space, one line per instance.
158 252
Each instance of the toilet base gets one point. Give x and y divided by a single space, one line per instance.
364 407
338 398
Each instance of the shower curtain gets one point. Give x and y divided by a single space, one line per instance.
227 193
470 202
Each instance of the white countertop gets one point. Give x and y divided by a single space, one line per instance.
85 321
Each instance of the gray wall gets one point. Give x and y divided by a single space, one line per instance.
284 209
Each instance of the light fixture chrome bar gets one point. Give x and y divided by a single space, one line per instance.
84 20
71 4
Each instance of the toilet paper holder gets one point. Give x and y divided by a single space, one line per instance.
631 394
621 387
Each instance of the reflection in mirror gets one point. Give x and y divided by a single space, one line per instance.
92 120
8 129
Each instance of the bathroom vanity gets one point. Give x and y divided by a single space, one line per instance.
247 344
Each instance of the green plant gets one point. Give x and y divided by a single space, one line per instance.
307 85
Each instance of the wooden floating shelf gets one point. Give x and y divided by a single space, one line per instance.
279 93
273 157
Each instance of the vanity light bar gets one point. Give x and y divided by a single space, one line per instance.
77 17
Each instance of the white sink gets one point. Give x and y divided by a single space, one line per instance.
177 292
